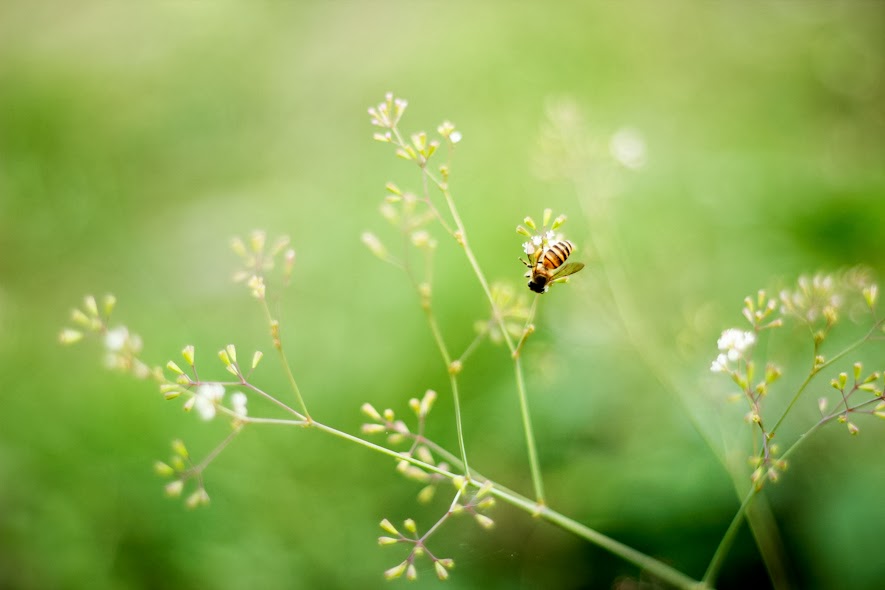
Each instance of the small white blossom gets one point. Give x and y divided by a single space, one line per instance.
550 236
720 365
207 396
455 136
529 248
735 342
238 404
116 339
536 240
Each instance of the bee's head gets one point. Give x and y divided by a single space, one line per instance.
538 284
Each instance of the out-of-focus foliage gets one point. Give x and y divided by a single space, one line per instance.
134 140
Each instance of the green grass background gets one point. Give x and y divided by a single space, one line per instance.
136 139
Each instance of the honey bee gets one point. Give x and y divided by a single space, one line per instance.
548 264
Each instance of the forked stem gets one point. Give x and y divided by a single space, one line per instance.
278 345
534 465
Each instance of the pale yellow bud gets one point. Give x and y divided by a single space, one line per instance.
188 354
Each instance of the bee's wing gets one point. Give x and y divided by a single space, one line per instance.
567 269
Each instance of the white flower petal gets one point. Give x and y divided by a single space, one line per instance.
116 339
207 395
238 403
205 407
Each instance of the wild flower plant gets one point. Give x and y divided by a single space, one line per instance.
425 220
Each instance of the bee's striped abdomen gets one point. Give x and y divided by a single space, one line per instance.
556 254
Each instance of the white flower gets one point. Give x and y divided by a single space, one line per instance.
207 396
238 404
720 365
550 236
455 136
536 240
116 339
528 248
735 342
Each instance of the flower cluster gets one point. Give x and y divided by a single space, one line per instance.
815 302
734 345
541 237
207 396
410 215
180 468
258 260
398 432
122 348
759 312
815 298
479 501
860 383
387 115
407 566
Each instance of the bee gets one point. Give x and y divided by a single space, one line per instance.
548 264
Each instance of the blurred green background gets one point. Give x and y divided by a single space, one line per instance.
135 140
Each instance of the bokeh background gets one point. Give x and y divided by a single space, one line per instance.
136 139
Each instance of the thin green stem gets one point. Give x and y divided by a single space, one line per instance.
727 539
473 344
453 381
214 453
278 345
760 519
804 437
534 464
274 400
248 420
474 264
528 328
646 562
443 518
379 449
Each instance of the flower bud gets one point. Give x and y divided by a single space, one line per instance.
388 526
374 245
173 488
162 469
410 526
69 336
396 571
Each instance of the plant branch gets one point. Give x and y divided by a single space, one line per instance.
648 563
815 370
727 539
278 345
